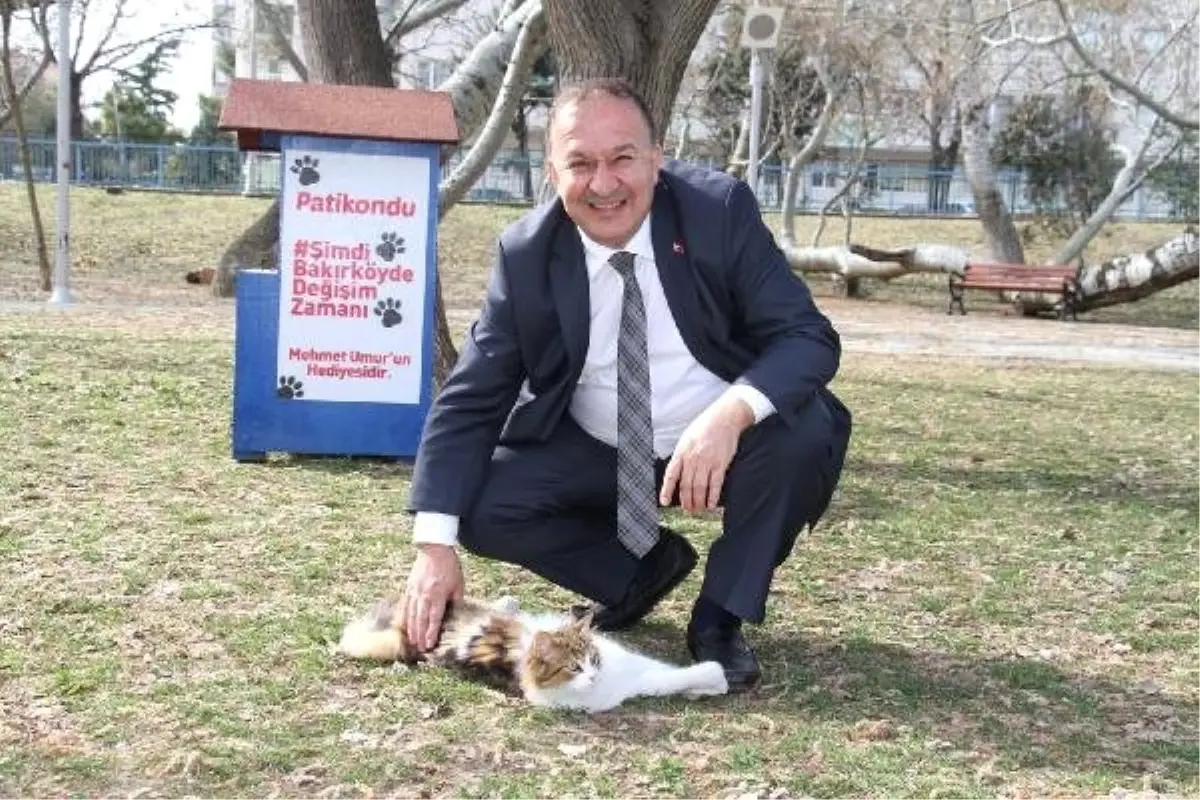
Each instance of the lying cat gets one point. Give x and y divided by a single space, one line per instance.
554 660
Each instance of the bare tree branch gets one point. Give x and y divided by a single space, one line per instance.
413 18
38 17
86 69
1116 80
83 7
118 52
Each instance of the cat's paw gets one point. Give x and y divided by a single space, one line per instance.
507 604
710 680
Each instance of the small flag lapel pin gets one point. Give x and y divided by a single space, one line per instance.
677 248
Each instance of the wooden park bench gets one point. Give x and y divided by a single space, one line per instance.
1057 280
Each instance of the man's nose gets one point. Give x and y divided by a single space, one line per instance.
604 180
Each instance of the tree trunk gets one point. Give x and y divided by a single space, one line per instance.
798 166
942 159
646 42
256 248
528 48
78 124
520 129
342 42
476 80
858 261
18 118
1131 175
1132 277
1004 243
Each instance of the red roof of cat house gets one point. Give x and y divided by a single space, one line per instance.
260 111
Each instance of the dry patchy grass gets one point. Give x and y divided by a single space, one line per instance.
1001 601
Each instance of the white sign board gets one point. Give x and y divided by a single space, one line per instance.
352 260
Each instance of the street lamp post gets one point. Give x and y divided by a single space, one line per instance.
760 31
61 295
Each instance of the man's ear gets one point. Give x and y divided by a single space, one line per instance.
551 172
656 157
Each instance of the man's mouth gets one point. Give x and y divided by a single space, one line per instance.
607 205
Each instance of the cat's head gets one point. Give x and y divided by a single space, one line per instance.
564 656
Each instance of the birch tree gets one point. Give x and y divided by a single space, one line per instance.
1147 56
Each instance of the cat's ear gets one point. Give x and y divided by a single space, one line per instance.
584 622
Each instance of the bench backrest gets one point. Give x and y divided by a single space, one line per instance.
982 269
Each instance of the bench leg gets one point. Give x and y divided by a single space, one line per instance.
1070 305
956 296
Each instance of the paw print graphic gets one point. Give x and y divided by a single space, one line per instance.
389 311
306 168
390 245
290 388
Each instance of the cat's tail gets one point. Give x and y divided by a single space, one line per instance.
378 635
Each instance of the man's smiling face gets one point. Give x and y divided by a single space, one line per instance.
604 165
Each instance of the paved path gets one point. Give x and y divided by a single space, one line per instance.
876 328
1166 349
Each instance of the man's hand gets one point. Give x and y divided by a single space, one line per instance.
705 451
435 579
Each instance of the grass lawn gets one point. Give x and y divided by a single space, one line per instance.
1001 601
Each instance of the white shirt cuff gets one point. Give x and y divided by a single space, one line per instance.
430 527
758 402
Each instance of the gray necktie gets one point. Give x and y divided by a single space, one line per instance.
637 507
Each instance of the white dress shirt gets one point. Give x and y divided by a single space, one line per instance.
680 387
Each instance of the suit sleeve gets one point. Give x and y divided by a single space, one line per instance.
466 418
798 349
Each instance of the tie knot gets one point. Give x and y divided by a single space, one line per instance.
622 262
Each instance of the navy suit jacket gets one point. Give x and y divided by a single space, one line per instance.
740 310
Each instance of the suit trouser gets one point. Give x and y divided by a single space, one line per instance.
551 508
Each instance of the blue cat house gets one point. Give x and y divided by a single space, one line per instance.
333 350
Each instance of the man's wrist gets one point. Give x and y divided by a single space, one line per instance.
739 413
431 527
758 404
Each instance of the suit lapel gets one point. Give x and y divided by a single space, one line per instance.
572 297
675 271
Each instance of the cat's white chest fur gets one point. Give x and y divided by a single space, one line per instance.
622 674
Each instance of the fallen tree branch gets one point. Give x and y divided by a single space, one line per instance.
1127 278
1122 279
860 261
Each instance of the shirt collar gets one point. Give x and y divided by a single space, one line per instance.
597 255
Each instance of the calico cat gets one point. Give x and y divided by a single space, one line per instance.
553 660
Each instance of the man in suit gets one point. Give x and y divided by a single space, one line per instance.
643 343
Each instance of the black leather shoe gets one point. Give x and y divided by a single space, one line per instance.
727 646
660 571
